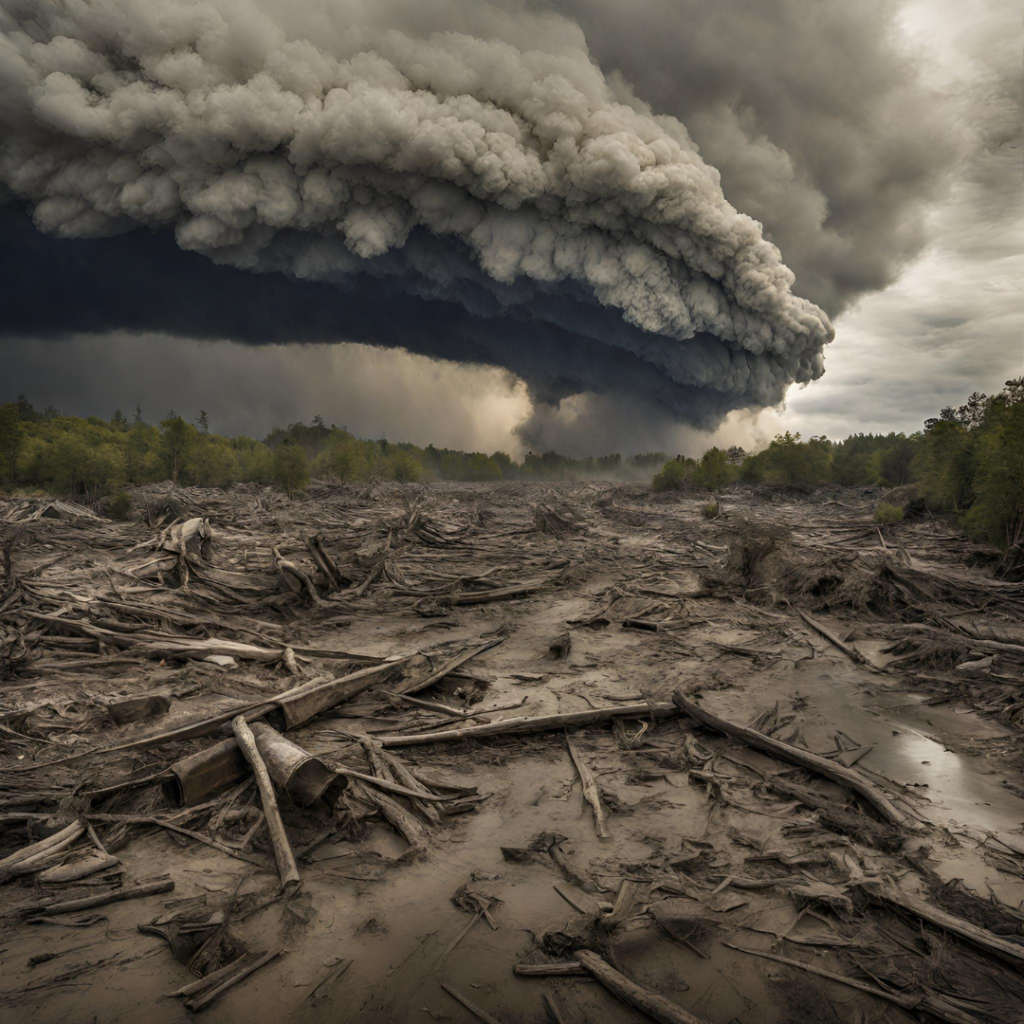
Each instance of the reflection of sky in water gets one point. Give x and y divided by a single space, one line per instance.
955 788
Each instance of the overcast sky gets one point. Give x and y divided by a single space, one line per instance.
908 232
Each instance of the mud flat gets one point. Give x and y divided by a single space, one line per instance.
510 753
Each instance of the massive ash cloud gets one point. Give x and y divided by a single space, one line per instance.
454 178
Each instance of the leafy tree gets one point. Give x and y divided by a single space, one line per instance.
203 422
255 460
12 441
291 467
401 466
179 441
674 475
997 513
347 460
713 470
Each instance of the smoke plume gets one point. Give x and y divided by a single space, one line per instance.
454 178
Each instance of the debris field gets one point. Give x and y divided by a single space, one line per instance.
513 752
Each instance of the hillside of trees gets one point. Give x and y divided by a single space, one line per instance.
967 461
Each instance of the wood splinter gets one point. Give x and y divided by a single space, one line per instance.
590 790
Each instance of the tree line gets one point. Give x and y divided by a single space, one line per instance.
93 457
968 461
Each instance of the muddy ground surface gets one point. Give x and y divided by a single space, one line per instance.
892 652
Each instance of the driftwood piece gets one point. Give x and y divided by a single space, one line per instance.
498 594
907 1001
1009 952
414 686
472 1007
202 1001
80 868
394 787
625 901
554 1010
848 777
151 819
295 578
552 970
537 723
404 822
859 826
401 774
649 1003
35 856
324 562
590 790
286 866
851 652
215 977
88 902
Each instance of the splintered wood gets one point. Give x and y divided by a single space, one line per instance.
509 752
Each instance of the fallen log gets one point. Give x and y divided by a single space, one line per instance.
552 970
848 777
77 869
33 857
302 776
1008 952
88 902
537 723
297 705
286 866
649 1003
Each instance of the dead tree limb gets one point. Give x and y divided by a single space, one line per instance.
286 866
538 723
851 652
1008 952
840 774
649 1003
88 902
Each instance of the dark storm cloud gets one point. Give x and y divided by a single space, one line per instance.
814 117
496 184
465 179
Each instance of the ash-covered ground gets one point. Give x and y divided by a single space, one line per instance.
582 646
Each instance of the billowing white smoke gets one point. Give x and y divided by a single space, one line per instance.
492 165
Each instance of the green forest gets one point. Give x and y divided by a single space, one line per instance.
967 461
88 458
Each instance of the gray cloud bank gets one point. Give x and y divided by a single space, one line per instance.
473 182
